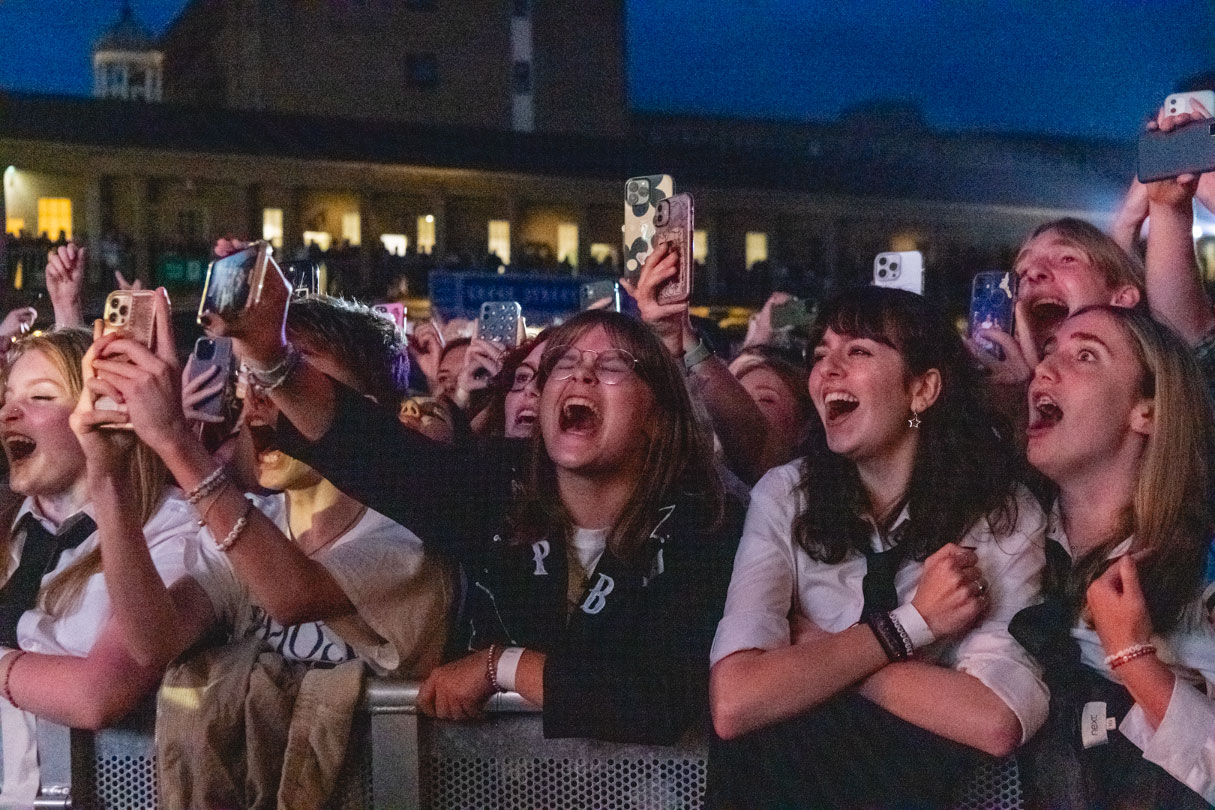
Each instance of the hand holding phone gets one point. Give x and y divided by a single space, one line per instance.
670 321
641 198
501 321
674 225
991 307
900 270
259 330
208 380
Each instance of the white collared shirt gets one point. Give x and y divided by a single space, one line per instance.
173 541
1184 743
774 577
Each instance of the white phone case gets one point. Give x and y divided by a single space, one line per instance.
903 270
1180 103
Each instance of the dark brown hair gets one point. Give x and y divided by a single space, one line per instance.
966 464
679 458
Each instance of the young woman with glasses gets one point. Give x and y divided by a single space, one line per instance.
597 553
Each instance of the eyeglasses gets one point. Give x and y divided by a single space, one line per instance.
522 379
610 366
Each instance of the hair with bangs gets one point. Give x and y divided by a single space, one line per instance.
1117 267
1170 514
966 464
679 458
65 348
493 421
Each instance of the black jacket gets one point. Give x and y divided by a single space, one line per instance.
631 662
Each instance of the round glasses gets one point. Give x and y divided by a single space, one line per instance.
610 366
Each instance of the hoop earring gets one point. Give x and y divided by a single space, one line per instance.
914 421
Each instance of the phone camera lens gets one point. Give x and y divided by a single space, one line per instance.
123 310
205 350
882 273
894 266
113 317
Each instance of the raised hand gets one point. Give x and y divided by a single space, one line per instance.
1118 608
17 322
759 328
65 283
952 594
482 362
671 321
196 391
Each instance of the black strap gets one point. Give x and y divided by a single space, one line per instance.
40 553
878 584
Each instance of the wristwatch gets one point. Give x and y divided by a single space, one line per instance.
698 354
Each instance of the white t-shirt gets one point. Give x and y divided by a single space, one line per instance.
1184 743
400 597
773 576
177 551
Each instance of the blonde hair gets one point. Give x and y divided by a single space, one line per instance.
65 348
1169 516
1117 267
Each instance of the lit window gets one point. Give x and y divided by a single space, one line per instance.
352 228
603 253
422 69
700 245
904 240
567 243
319 238
395 243
499 239
14 225
272 226
521 74
757 248
55 217
426 234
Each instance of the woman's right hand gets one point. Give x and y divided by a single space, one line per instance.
1020 352
482 362
952 594
106 448
426 349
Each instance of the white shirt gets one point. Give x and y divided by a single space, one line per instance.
399 595
1184 743
773 577
173 541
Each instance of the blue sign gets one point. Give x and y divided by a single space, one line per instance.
455 294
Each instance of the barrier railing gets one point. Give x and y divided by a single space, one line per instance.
401 759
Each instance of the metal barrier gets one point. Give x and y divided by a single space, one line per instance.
400 759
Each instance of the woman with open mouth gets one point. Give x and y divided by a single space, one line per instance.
864 658
597 552
62 655
1121 425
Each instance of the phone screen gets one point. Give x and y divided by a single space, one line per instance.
228 280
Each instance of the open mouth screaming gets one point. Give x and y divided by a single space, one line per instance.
1048 313
839 404
579 416
19 447
1045 413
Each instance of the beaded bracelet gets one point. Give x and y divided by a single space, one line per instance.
234 535
217 478
274 377
884 629
491 668
5 687
1129 654
908 647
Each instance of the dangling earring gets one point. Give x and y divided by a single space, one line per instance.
914 421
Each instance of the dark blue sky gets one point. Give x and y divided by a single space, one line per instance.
1084 67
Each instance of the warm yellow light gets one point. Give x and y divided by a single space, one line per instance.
352 228
426 234
55 217
700 245
272 226
602 252
10 175
904 240
395 243
14 225
757 248
319 238
567 243
499 239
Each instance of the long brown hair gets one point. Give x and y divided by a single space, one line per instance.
65 348
679 458
1170 516
965 466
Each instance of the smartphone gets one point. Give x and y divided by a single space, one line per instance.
792 314
213 353
641 198
603 294
304 276
901 270
234 282
393 312
674 224
1189 149
500 321
133 313
992 295
1181 103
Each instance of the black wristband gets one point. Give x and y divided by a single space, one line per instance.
888 636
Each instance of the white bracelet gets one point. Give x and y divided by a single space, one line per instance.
234 535
508 665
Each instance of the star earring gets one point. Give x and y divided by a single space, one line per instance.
914 421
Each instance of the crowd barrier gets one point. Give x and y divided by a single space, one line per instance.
401 759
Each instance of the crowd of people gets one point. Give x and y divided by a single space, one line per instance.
869 560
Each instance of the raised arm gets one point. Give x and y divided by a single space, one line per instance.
735 417
1175 292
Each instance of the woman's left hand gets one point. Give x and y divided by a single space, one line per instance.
106 449
1117 607
671 321
457 691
